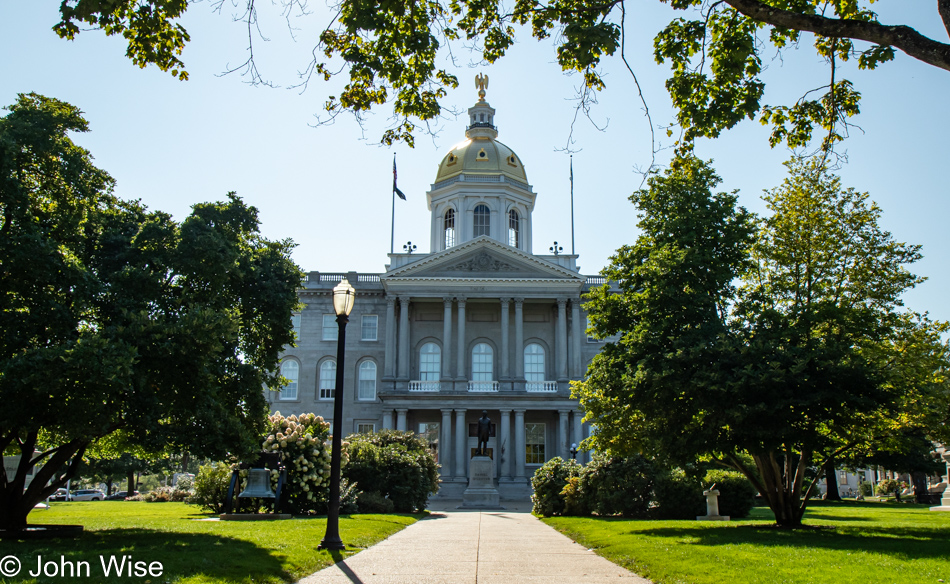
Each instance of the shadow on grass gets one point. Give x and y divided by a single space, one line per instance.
907 542
181 554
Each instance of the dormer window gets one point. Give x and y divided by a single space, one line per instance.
449 228
482 220
514 231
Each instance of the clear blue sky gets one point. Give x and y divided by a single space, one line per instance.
173 143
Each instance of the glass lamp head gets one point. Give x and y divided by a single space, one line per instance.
343 296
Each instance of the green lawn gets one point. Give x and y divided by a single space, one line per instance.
191 551
863 542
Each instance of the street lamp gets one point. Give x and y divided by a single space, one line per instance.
573 450
343 297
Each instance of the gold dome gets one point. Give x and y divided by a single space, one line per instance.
481 156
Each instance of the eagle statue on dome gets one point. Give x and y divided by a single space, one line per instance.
481 82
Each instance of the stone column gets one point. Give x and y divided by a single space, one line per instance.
562 339
576 335
461 339
390 371
447 337
403 372
401 419
504 444
578 432
388 420
519 338
563 446
505 372
461 440
445 444
519 444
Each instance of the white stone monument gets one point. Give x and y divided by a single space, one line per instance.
945 500
481 492
712 507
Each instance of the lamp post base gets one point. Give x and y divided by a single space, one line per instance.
336 545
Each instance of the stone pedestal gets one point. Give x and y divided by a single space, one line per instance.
481 492
712 507
945 500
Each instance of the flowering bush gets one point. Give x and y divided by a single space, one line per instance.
163 495
302 442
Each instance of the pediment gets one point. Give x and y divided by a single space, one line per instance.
483 258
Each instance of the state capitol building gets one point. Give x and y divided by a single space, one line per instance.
479 323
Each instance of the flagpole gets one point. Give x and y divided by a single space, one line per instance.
572 205
392 233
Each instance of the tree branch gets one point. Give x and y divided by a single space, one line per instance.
901 37
943 7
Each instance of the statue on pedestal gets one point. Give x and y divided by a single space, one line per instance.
484 432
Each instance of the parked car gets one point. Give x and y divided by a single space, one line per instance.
121 495
59 495
87 495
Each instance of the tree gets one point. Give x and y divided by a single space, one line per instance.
795 368
119 322
390 52
109 470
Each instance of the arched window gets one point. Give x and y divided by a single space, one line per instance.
290 370
514 230
482 369
482 220
367 385
430 362
327 379
449 228
534 363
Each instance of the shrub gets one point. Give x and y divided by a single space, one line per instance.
211 487
575 499
549 482
736 493
866 488
619 486
395 464
678 495
888 487
374 502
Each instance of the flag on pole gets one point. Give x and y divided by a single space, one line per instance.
395 188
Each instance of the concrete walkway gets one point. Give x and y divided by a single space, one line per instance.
475 547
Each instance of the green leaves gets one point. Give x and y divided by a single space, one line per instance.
153 37
118 319
812 356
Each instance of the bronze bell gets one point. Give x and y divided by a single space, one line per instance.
258 484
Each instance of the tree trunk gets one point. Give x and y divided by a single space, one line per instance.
919 478
831 482
131 488
779 490
13 511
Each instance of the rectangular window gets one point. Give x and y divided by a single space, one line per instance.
843 477
429 431
330 329
590 339
365 428
295 320
534 443
369 324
